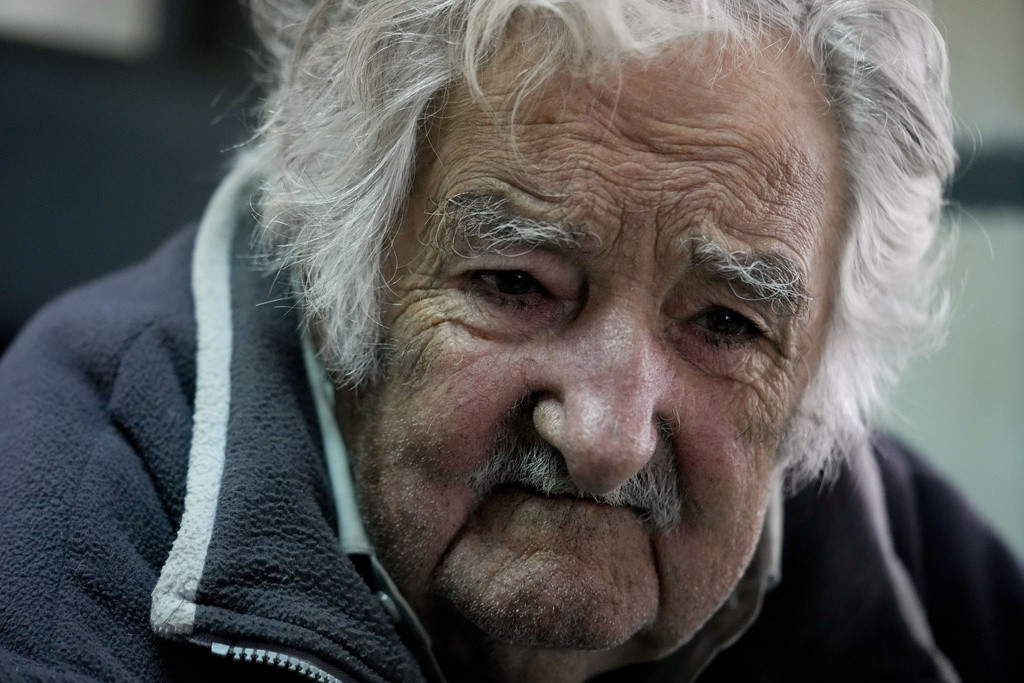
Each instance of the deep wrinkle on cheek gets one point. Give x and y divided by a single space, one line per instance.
747 413
424 330
456 346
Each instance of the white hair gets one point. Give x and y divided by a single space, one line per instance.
357 81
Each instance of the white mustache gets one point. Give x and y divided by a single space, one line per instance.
653 491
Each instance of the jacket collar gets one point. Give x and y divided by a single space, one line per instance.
256 557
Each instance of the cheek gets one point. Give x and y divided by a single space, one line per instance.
420 442
722 469
451 391
739 422
701 559
725 478
698 575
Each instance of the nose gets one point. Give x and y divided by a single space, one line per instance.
607 384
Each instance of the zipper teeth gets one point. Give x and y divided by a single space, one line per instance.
281 661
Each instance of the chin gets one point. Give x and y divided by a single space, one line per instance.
556 573
538 614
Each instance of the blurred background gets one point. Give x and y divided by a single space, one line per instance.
964 406
117 118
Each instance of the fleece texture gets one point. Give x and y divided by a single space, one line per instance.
96 416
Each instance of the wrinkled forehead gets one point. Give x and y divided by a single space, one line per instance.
721 92
704 118
710 79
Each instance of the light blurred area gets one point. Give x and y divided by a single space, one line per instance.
120 29
119 116
964 405
986 55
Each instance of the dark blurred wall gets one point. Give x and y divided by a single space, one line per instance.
101 160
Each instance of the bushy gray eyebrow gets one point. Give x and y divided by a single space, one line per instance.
473 224
756 276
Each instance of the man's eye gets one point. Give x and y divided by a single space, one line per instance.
509 282
728 326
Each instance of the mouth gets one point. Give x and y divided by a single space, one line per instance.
517 516
522 493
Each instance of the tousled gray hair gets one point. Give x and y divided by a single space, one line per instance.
356 80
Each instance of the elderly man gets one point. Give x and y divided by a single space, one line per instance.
562 298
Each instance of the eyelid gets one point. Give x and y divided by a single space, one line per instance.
698 297
494 280
775 330
560 279
754 331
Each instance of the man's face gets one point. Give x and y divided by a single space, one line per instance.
635 272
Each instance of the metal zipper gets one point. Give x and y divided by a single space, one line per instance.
287 661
